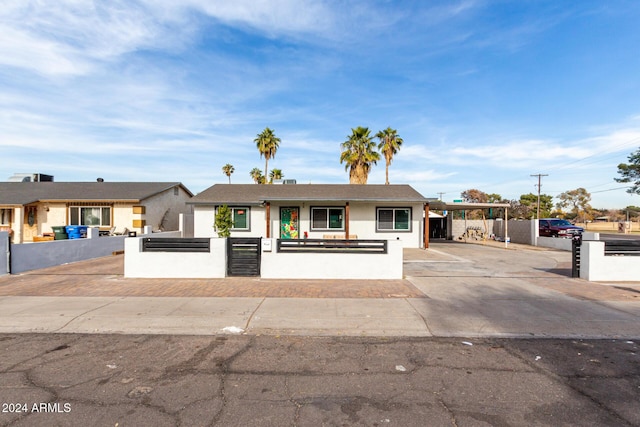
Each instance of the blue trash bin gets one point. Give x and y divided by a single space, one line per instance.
73 231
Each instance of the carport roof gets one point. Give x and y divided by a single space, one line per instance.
235 194
465 206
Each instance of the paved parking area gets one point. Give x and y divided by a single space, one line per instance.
104 277
545 268
452 289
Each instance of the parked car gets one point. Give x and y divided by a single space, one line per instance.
555 227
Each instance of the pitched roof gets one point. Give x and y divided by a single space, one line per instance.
234 194
22 193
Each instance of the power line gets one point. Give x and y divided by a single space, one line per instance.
539 175
610 189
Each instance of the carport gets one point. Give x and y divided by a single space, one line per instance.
464 206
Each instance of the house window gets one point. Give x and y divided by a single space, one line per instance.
393 219
327 218
5 216
240 217
96 216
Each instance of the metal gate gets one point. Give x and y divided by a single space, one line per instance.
243 256
575 256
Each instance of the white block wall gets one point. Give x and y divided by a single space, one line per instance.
555 243
174 264
596 267
288 265
274 264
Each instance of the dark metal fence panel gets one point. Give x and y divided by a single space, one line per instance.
243 256
622 247
575 257
176 244
332 246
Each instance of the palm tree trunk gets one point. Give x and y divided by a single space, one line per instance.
266 171
360 175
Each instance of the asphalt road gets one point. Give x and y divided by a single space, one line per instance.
162 380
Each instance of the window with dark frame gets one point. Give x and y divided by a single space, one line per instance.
327 218
97 216
5 216
240 217
393 219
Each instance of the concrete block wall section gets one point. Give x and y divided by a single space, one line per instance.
459 226
519 231
522 231
33 256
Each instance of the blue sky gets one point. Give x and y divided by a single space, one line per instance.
484 93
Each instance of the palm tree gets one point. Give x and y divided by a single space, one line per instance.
256 175
389 145
228 170
275 174
358 152
267 143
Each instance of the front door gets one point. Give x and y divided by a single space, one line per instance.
289 223
30 227
437 228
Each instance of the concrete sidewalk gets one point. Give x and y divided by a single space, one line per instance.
450 290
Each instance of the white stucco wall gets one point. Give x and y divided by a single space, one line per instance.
362 222
555 243
174 264
273 264
285 265
204 218
595 266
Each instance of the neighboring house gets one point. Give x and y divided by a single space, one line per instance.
29 209
296 211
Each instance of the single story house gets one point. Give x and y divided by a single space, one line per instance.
30 209
329 211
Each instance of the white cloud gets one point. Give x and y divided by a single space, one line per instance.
269 16
68 37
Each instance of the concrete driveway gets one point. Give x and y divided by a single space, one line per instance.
451 289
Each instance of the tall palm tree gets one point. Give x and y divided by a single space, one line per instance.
256 175
358 154
228 169
275 174
267 143
389 146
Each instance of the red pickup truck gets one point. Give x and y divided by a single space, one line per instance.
555 227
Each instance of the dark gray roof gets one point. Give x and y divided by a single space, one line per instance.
22 193
234 194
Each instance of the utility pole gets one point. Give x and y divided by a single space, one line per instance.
539 175
441 193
